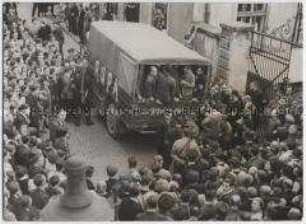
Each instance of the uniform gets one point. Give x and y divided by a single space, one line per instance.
187 150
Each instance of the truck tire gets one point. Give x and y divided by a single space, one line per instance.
113 122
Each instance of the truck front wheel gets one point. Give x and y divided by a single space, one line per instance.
113 122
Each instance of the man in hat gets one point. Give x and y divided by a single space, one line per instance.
39 195
44 31
166 86
22 120
59 36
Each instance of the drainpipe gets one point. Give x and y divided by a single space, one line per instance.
207 12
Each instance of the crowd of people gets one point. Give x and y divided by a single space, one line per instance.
35 135
218 166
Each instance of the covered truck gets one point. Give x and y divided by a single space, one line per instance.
120 53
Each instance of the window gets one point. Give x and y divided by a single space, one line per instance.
244 7
253 14
132 12
258 7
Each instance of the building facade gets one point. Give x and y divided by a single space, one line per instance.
281 20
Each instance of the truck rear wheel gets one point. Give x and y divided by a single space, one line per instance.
113 122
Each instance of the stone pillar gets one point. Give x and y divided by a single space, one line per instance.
77 203
234 53
145 12
198 12
120 12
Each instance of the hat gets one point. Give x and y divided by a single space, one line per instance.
25 200
166 201
161 186
52 157
23 107
294 214
111 170
10 174
252 192
222 207
173 186
12 187
21 171
70 50
11 148
38 180
164 174
54 180
264 190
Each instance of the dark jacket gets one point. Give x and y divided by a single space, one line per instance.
129 209
39 198
44 32
27 214
58 129
59 35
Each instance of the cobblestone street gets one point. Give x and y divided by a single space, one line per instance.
95 145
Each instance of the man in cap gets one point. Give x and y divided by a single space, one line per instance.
185 151
58 126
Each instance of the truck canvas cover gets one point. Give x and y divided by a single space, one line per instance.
122 46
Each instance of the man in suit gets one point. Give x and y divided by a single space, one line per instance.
59 36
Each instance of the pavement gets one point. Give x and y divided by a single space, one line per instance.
93 143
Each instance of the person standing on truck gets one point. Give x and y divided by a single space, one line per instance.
187 83
150 84
166 86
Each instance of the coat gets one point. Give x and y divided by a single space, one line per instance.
129 209
39 198
58 129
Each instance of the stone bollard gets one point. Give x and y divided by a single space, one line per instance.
77 203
